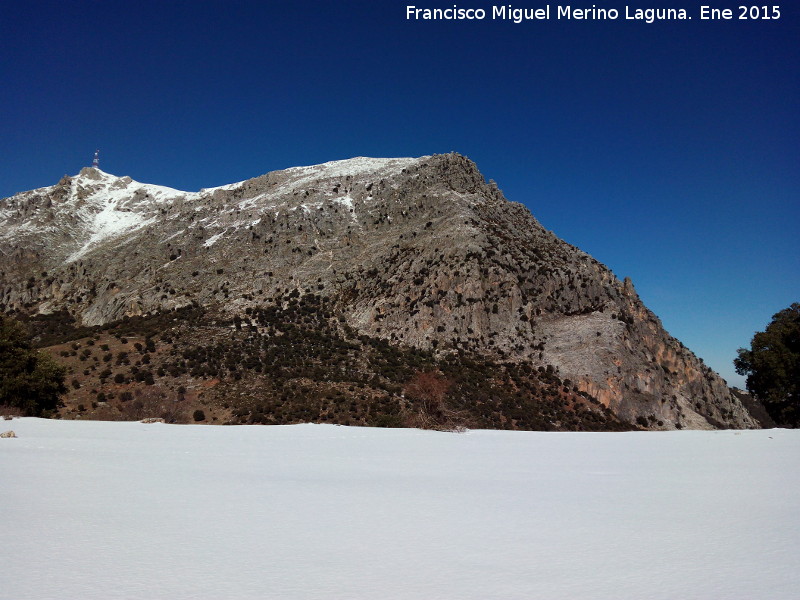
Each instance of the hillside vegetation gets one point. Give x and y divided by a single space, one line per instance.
295 361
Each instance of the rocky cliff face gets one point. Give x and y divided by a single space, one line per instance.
420 252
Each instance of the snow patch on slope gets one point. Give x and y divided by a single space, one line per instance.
102 207
345 201
354 166
110 207
342 168
213 239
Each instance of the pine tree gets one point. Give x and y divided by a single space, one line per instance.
29 380
772 366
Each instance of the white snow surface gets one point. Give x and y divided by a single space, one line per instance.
109 210
353 166
213 239
105 511
345 201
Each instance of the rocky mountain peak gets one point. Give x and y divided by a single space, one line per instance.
420 252
92 173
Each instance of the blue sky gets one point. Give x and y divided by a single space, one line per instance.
669 151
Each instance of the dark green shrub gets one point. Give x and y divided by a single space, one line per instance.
29 380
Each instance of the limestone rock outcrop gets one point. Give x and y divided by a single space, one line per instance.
422 252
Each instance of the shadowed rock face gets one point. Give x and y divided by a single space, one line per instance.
422 252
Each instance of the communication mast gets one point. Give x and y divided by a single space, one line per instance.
96 159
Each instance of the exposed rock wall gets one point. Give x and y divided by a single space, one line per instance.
422 252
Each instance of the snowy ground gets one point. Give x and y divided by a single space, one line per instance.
126 510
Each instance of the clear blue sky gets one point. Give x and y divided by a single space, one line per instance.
669 151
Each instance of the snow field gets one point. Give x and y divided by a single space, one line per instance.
128 510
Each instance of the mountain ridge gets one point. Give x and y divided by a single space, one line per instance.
422 253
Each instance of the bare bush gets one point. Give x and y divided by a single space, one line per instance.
153 402
428 392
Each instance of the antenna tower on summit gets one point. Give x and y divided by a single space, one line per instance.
96 159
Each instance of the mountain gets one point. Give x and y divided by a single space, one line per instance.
415 262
